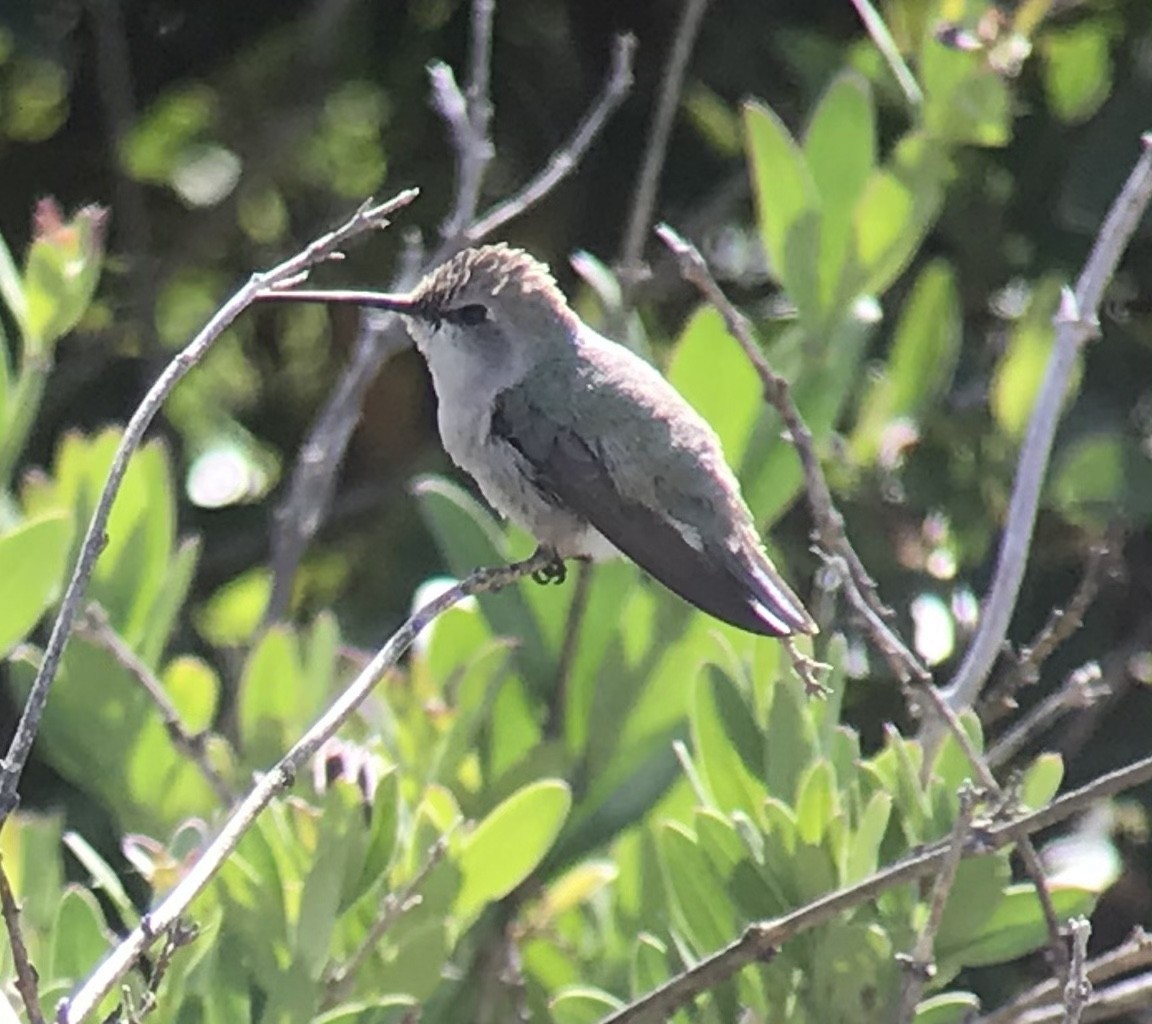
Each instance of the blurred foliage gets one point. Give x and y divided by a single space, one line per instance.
577 821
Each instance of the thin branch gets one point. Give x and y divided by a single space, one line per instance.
1132 955
1078 990
368 217
313 482
1062 624
919 965
469 117
859 586
1077 323
394 906
566 159
656 151
1028 854
761 939
120 960
26 983
94 626
1131 996
1081 689
179 935
878 30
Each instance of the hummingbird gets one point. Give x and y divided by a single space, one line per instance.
578 440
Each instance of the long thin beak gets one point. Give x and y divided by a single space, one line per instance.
377 300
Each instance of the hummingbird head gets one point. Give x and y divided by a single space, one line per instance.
493 297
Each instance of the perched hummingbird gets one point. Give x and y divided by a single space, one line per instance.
578 440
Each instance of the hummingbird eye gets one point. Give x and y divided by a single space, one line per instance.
471 315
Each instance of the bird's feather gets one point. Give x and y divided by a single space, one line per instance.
732 581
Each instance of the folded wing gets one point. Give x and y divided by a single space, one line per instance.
739 587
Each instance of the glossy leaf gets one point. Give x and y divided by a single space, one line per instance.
33 558
469 538
510 842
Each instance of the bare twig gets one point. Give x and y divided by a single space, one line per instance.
1061 625
279 778
858 585
1076 324
394 906
1078 990
368 217
1028 854
93 625
25 973
874 23
648 180
469 117
1131 996
179 935
1132 955
565 160
313 480
1081 689
919 965
762 939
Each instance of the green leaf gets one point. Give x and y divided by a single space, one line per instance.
1077 69
787 205
727 744
976 894
271 704
233 613
1017 378
1017 926
816 802
336 864
704 911
61 271
948 1008
510 842
711 371
468 538
792 741
840 147
966 101
649 964
864 850
33 558
920 363
1089 477
79 937
1041 781
582 1005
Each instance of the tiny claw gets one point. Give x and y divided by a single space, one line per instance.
555 572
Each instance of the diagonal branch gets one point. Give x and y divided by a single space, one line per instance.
655 152
94 626
370 216
838 550
1077 323
155 923
762 938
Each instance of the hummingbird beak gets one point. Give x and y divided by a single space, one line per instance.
376 300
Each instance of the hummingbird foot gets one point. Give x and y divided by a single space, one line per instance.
555 572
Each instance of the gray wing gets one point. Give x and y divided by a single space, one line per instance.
570 470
